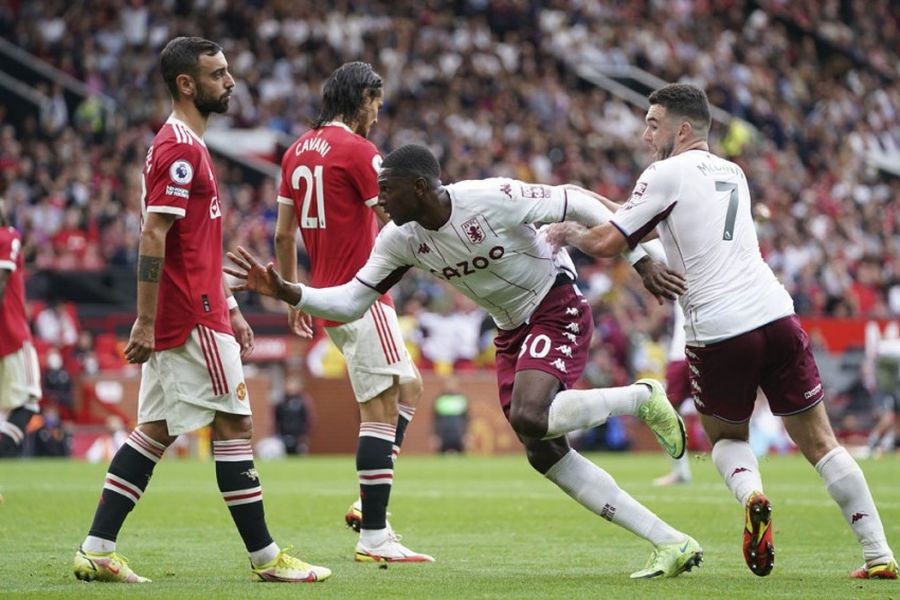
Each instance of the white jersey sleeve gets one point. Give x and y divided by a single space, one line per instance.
653 198
389 261
520 203
385 267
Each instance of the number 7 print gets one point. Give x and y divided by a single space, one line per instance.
730 216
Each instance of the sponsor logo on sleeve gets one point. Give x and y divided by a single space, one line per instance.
178 192
181 172
636 195
215 209
535 191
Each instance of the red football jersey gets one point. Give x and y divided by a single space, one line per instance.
330 175
13 321
178 179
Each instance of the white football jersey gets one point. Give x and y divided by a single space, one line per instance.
702 205
489 249
676 344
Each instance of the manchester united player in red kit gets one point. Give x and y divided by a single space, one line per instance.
20 379
329 188
189 334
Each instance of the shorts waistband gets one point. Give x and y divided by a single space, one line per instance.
562 279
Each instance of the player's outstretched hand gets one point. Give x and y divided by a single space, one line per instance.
659 280
253 274
557 234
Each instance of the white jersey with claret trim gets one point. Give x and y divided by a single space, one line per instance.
701 203
490 248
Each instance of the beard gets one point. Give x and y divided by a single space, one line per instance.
665 151
207 103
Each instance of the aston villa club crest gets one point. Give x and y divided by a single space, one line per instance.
473 230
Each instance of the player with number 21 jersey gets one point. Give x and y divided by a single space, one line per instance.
323 175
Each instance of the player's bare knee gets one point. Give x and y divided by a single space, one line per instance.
158 432
411 392
383 408
816 447
543 454
527 423
232 427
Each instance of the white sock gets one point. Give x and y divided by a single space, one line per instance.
582 409
264 555
682 467
596 490
739 468
846 483
372 537
98 545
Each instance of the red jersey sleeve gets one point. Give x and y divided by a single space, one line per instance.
284 188
9 249
169 176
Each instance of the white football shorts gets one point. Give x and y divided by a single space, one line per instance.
186 386
20 379
374 350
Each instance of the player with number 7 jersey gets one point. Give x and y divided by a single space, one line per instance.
710 237
741 331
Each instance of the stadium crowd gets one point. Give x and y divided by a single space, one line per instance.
491 87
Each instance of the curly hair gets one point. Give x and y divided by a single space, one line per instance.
413 160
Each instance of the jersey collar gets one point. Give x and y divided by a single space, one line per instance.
338 124
175 121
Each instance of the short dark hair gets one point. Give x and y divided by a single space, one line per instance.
684 100
346 89
181 57
413 160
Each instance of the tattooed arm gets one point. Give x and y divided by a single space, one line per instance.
152 253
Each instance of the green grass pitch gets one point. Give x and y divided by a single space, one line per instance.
497 530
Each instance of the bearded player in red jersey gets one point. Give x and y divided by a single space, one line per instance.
189 334
20 378
329 189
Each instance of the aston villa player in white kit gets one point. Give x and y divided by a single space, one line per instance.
480 236
329 189
740 327
189 336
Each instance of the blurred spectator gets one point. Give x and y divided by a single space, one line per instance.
57 383
48 435
450 335
881 374
295 416
767 433
108 443
56 325
451 417
84 355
